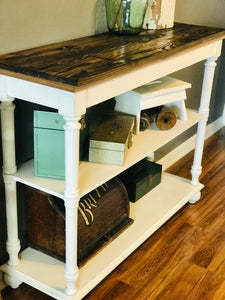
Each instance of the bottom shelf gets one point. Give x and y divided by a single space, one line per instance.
149 213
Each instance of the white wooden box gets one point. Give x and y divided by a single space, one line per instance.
165 91
160 14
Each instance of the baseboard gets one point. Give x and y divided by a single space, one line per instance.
223 115
170 158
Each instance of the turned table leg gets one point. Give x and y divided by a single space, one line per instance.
71 198
196 169
9 168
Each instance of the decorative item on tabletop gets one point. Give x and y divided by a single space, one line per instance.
102 215
141 178
167 91
125 16
160 14
111 139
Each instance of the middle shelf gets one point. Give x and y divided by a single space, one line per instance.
92 175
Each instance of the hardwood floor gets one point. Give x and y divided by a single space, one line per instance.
185 258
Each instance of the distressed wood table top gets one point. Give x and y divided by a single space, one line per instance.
80 63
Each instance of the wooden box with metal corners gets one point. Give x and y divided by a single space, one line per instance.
102 215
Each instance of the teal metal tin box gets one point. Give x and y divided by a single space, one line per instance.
49 145
49 152
141 178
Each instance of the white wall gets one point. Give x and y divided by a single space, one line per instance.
29 23
201 12
208 13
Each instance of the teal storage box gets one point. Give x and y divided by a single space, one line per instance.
49 144
49 152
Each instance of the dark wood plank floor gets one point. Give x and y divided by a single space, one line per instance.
184 259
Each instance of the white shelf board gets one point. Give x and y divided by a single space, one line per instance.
149 213
92 175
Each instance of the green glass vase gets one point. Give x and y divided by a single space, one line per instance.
125 16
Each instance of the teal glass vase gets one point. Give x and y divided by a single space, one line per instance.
125 16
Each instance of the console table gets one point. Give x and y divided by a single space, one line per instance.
71 76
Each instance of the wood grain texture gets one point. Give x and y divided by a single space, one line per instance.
84 62
185 258
98 224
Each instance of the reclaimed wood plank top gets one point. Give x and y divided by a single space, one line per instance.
80 63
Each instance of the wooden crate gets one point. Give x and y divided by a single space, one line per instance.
102 215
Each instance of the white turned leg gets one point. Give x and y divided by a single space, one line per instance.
8 137
196 169
71 198
195 198
12 281
9 167
13 242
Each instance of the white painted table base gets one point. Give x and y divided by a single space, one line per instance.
72 106
204 110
